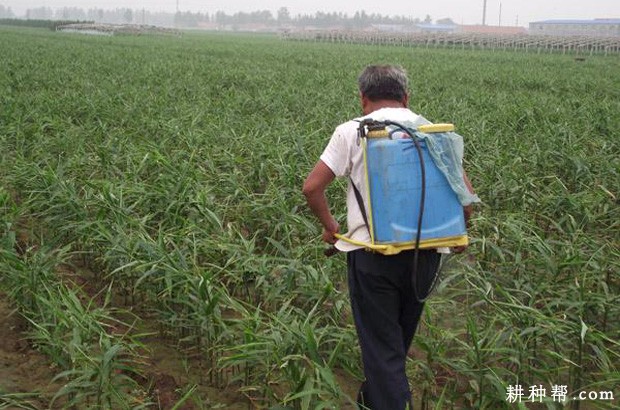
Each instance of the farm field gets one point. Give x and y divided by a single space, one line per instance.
157 246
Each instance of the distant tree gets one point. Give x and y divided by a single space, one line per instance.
128 16
95 14
40 13
447 21
284 16
360 19
264 17
6 12
221 17
189 19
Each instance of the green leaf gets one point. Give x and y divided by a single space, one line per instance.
584 329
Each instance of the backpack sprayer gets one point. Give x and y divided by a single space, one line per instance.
403 175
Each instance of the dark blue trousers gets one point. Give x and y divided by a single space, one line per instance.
386 314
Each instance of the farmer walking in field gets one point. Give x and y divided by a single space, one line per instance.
385 306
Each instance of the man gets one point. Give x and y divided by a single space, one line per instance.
384 304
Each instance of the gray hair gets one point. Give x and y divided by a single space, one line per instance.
383 82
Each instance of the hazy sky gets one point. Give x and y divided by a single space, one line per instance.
461 11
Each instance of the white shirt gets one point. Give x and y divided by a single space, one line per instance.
345 157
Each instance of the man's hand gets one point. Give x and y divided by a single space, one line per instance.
329 231
458 249
467 212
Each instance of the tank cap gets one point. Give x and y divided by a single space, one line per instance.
378 133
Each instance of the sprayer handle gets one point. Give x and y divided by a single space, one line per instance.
331 251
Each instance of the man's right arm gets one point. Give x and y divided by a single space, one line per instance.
314 190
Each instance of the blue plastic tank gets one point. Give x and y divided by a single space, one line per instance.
395 185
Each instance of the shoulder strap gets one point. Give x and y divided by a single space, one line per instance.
360 203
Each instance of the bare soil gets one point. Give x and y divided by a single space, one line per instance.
23 370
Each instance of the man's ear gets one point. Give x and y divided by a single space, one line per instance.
405 100
365 102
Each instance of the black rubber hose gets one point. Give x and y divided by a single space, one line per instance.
416 253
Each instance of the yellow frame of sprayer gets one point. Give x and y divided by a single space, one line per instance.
397 247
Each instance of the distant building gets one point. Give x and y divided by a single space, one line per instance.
437 28
492 29
596 27
391 28
204 25
413 28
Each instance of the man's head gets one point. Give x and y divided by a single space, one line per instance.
383 85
